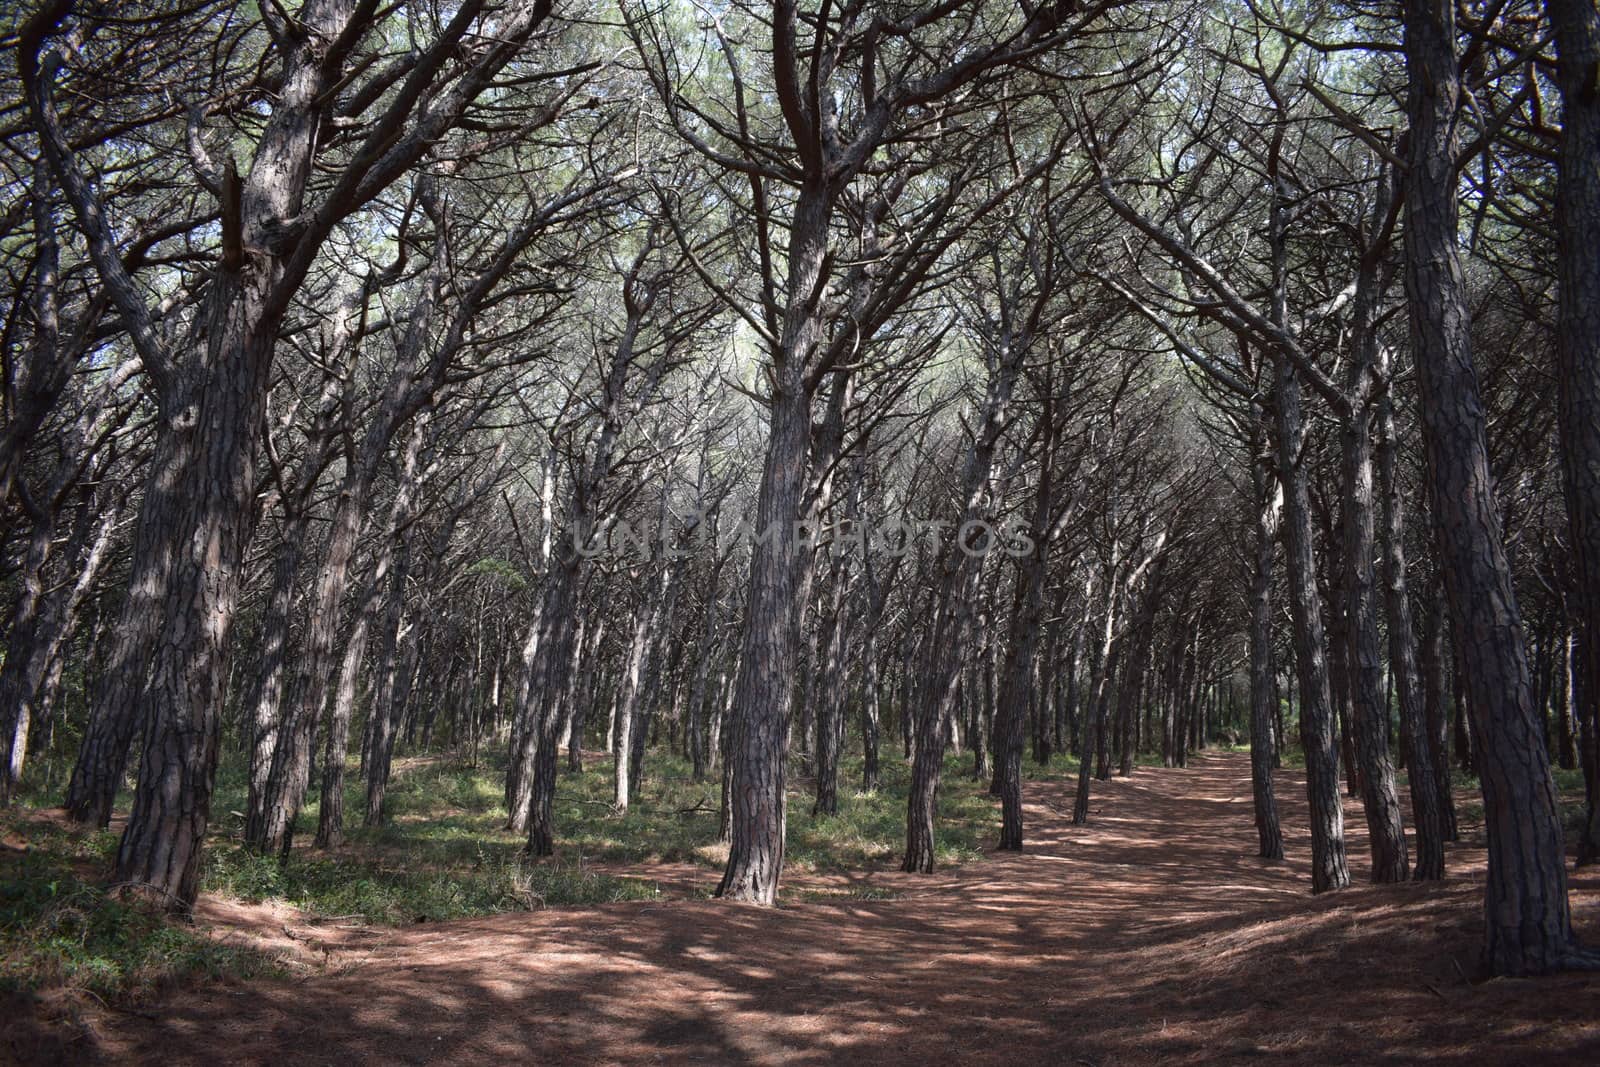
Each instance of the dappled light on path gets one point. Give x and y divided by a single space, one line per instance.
1151 934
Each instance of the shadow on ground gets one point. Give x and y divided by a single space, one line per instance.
1153 934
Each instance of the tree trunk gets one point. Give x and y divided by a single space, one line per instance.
1328 869
1369 710
1529 926
330 815
1577 33
829 697
203 502
41 624
1016 676
1426 763
1263 693
1093 716
386 698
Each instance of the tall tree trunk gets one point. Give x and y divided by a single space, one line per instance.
267 701
1369 710
945 645
1263 693
764 691
1577 32
1328 869
1017 674
1529 926
1426 764
829 696
330 813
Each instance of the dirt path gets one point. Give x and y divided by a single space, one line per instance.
1151 935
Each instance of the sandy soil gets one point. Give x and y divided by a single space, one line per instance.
1154 934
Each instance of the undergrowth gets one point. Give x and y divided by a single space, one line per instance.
442 853
59 931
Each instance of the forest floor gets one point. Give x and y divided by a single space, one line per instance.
1153 934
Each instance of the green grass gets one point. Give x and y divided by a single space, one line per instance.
443 854
407 889
58 931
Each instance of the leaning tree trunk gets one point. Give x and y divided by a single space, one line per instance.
41 624
1529 925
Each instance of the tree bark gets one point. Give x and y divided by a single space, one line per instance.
1328 868
1263 693
1577 33
1426 763
1529 926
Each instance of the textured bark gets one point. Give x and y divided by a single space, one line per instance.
1577 32
198 513
1426 764
114 717
1263 693
42 624
1094 715
946 639
1528 923
764 689
330 814
1328 868
1368 707
210 495
829 696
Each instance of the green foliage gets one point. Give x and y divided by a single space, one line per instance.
58 931
408 889
443 854
490 566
